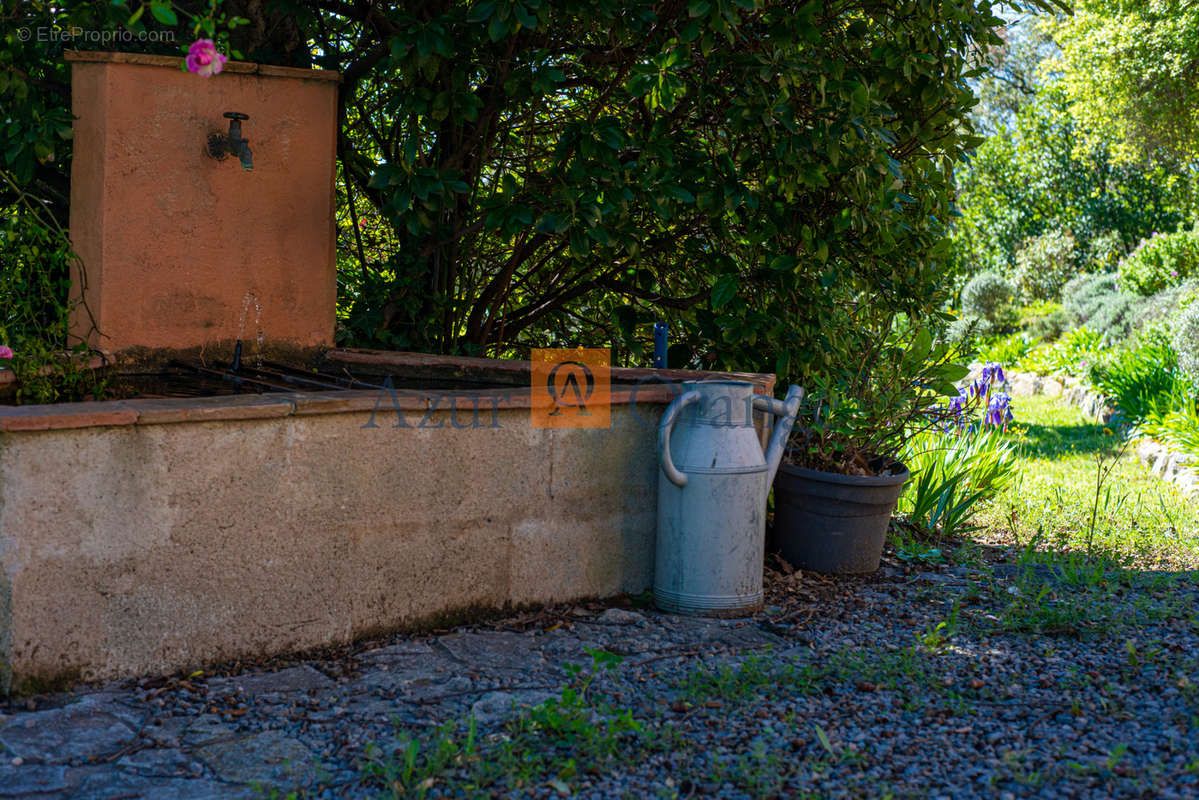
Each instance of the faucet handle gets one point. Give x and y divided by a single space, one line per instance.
235 115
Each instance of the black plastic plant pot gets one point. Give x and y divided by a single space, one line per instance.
834 523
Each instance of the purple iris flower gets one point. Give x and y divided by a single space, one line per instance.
993 373
999 410
956 411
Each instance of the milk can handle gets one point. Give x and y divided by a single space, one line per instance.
668 420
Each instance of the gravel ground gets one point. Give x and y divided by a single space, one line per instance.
955 682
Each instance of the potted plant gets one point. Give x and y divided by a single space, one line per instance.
841 478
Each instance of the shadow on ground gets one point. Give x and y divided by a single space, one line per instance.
1053 441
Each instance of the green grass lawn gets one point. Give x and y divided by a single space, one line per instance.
1055 507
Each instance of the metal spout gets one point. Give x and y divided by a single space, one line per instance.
220 146
786 411
244 156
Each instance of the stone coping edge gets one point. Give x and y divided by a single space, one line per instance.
763 381
652 386
236 67
156 411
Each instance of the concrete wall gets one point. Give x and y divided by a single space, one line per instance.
145 548
181 250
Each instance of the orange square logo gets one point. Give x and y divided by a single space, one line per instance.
571 388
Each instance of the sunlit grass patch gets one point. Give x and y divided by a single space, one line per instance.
1080 490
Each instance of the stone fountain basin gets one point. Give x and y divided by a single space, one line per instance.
148 536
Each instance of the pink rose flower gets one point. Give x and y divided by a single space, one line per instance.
203 59
6 352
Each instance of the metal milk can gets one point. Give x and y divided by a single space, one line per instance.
712 496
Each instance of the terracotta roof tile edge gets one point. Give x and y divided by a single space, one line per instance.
236 67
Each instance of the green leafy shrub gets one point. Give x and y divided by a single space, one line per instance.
986 295
35 262
1005 349
1072 354
1104 252
1162 260
1031 176
854 419
1186 342
1044 264
1176 427
987 303
1143 378
1162 308
1050 326
1098 302
1044 321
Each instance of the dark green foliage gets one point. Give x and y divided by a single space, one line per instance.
1038 177
1044 263
1048 327
35 263
858 415
1185 337
773 180
35 255
1162 260
1163 307
986 295
1142 378
762 178
35 252
1098 302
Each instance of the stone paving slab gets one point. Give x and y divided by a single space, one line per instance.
309 722
268 757
507 652
294 679
27 780
308 726
106 784
63 735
